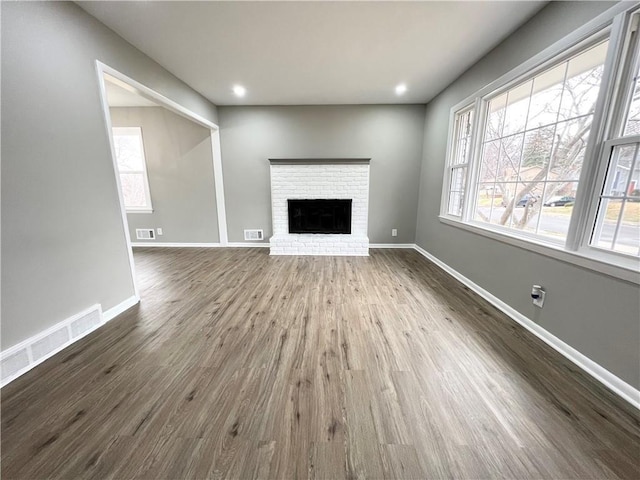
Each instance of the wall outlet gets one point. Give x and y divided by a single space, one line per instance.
394 232
159 230
537 295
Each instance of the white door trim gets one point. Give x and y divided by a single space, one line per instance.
102 69
123 212
219 183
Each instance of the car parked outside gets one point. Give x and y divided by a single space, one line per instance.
560 201
527 199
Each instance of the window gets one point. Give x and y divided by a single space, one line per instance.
132 168
459 160
533 146
618 222
544 162
617 226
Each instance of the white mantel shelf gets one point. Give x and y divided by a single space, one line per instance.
319 161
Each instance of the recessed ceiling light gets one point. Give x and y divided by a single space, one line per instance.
401 89
239 90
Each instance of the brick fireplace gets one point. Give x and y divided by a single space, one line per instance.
320 179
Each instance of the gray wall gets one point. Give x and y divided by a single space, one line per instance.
180 170
63 243
596 314
391 135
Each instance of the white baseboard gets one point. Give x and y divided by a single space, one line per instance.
64 331
298 254
120 308
248 245
176 245
604 376
392 245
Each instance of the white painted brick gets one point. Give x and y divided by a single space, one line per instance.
320 181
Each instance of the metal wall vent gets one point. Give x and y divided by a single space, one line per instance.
48 344
15 363
253 235
145 234
87 322
27 354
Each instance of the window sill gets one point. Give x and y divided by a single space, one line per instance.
622 272
139 210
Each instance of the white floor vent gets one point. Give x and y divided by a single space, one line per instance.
14 363
253 235
50 343
27 354
145 234
87 322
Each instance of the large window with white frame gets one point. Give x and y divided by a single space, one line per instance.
617 224
546 161
533 145
132 168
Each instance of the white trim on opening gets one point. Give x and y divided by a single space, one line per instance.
102 70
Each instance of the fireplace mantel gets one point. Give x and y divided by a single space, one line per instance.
319 161
318 179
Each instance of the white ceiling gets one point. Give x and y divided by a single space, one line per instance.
120 94
308 53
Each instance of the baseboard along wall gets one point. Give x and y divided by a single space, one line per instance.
247 245
176 245
29 353
608 379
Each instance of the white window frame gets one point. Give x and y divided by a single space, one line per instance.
451 153
137 132
575 249
613 132
608 148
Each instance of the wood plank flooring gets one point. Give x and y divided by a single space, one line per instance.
240 365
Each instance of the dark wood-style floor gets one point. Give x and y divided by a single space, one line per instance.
241 365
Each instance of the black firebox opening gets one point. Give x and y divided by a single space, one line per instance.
320 216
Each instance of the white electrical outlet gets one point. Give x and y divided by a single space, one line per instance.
394 232
537 295
159 231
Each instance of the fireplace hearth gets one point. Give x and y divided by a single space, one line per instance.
320 216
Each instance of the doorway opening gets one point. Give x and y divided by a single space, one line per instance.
167 166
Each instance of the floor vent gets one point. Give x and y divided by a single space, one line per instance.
87 322
145 234
27 354
253 235
48 344
14 363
